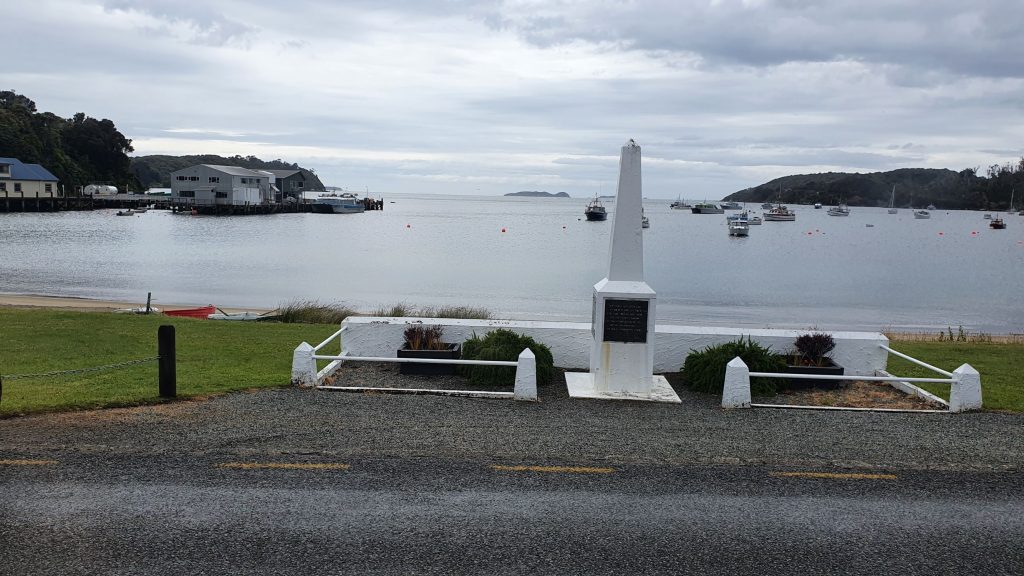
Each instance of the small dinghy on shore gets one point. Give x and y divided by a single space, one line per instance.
202 312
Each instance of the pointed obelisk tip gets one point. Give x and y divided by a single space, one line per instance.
631 144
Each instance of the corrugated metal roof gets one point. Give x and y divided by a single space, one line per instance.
283 173
235 170
20 171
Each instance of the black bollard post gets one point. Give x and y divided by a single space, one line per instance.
167 369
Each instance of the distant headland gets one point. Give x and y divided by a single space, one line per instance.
539 194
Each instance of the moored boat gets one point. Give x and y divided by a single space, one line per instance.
595 211
779 213
892 199
201 312
840 210
731 206
346 203
922 214
997 224
817 205
680 204
707 208
739 228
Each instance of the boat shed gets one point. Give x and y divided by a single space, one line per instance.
20 180
212 185
292 183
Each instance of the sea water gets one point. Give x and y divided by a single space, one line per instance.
538 258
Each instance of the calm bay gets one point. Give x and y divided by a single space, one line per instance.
537 258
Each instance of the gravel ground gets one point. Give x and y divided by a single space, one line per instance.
306 424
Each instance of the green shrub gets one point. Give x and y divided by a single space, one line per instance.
505 345
704 371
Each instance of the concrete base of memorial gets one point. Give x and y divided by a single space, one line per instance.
581 385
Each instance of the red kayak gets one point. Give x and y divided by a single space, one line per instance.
193 312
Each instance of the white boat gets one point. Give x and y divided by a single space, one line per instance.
755 221
739 228
238 316
779 213
730 206
644 222
817 205
922 214
932 207
139 310
745 216
892 198
128 212
346 203
840 210
986 217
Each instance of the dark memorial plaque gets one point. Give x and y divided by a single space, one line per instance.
625 320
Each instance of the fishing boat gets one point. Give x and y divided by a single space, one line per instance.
731 206
595 211
707 208
892 198
201 312
345 203
997 224
779 213
739 228
922 214
745 216
680 204
840 210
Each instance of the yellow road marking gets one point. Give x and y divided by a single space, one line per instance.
27 462
562 469
834 475
284 465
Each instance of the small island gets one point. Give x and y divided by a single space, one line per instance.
539 194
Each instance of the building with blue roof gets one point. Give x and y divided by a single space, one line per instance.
20 180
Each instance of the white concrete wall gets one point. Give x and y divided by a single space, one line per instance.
857 352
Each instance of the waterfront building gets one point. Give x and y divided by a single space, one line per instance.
212 185
292 183
20 180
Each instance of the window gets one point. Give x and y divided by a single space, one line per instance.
187 194
214 179
3 186
222 194
17 186
194 178
5 169
244 180
49 187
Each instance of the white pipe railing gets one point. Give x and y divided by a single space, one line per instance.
306 375
915 361
965 383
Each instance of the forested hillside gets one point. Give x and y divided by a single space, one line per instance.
915 187
155 171
77 150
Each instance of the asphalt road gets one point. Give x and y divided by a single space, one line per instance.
125 514
300 482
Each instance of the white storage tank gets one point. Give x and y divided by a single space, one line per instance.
100 190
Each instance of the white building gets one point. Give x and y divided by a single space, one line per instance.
207 185
20 180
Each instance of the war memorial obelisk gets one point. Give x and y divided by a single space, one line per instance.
622 329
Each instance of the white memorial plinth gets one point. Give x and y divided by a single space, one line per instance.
622 345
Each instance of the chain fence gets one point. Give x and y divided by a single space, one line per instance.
61 373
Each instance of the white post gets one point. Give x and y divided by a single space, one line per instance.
303 366
965 392
736 392
526 376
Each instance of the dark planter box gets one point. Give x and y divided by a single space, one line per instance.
829 369
454 352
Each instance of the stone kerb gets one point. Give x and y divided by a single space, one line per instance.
857 352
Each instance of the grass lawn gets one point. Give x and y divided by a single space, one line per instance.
212 357
1001 367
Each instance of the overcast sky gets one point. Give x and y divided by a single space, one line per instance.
488 97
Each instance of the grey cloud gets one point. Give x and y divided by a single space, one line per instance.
205 24
982 37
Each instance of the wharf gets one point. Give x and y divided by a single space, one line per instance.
9 203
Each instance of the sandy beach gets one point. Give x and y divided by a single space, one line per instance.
91 305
